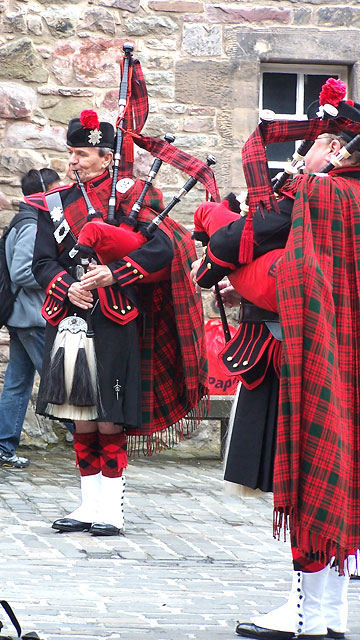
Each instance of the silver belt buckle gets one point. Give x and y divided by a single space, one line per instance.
74 324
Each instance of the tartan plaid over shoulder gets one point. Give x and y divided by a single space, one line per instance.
173 348
256 170
317 464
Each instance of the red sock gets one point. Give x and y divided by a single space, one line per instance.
306 563
86 448
113 454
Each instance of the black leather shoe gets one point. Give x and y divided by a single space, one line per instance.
335 634
249 630
103 529
68 525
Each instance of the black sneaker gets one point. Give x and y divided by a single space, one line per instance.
15 462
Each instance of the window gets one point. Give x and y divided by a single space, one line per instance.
289 90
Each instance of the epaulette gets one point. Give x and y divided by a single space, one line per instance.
38 199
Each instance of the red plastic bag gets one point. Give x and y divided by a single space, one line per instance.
219 383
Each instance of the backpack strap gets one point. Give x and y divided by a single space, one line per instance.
32 635
20 219
5 605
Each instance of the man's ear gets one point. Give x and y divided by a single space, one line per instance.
109 159
335 146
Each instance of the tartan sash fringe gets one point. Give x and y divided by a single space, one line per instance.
310 542
147 445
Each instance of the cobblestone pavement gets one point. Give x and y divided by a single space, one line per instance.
192 563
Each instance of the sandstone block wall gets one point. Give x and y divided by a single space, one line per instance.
201 60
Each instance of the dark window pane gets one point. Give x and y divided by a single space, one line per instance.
279 92
280 152
312 87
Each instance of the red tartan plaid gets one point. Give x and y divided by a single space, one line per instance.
135 116
76 211
317 466
305 563
256 170
113 454
173 351
181 160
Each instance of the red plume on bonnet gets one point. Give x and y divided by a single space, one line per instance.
332 92
89 119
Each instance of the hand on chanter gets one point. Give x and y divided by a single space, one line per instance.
194 269
79 297
229 295
97 275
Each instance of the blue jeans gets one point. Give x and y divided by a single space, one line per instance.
26 354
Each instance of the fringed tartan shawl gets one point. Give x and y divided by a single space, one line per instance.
174 370
317 465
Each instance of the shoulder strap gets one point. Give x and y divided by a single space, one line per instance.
57 215
12 616
19 220
27 636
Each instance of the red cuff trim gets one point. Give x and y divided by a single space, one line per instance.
53 311
57 282
131 264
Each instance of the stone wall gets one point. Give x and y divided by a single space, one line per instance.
201 61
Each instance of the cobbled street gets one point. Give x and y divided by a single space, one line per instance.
192 563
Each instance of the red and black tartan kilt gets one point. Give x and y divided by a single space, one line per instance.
118 362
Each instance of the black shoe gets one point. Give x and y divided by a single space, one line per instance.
103 529
249 630
13 461
334 634
68 525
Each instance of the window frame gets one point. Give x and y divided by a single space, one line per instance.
301 70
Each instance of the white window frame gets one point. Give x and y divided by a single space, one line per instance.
342 71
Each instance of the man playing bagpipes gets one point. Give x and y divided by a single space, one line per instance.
125 347
316 466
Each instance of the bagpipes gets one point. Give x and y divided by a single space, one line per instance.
72 387
112 244
290 168
334 116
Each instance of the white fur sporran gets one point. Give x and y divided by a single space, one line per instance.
73 367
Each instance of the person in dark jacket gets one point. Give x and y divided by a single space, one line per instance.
26 326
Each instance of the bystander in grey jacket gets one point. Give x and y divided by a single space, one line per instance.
19 250
26 326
